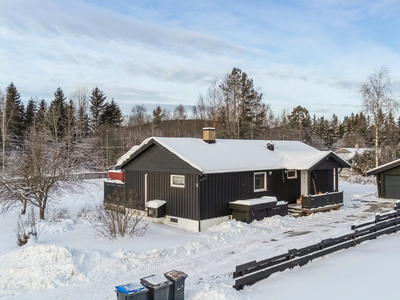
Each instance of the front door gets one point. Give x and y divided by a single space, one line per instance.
304 183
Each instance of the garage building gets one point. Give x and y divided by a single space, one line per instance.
388 179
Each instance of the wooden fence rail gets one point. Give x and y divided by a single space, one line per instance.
91 175
383 224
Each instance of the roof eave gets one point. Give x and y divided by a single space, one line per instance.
337 158
383 168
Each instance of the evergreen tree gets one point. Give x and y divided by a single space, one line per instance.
299 119
111 115
56 117
40 116
97 106
246 97
241 112
158 117
229 112
30 114
14 112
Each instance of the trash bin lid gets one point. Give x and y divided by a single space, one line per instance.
175 275
131 288
155 281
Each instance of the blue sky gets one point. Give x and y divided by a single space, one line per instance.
310 53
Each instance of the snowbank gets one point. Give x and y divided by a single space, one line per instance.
39 267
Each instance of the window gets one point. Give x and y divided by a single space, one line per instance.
260 181
178 181
291 174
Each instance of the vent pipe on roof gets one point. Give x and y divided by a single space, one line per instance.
356 146
271 146
209 135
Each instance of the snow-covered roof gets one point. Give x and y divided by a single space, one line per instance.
127 155
385 167
238 155
348 153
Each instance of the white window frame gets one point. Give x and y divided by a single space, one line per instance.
291 177
176 185
265 182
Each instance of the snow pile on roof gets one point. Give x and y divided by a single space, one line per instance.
126 156
155 203
249 202
116 181
348 153
240 155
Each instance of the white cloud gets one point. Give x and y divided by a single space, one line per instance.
309 53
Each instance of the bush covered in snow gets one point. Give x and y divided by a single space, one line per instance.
363 162
359 179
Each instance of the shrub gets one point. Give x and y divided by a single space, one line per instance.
115 220
57 214
363 162
26 230
83 213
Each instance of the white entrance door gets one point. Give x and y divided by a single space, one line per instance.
304 183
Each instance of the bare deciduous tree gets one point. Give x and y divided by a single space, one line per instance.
37 175
138 118
378 101
214 98
80 99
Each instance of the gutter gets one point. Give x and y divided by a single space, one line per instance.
201 179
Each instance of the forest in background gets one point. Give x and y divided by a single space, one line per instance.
92 133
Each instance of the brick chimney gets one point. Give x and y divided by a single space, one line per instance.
209 135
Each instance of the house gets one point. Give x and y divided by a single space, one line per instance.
199 177
387 179
348 153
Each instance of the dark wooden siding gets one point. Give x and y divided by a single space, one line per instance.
217 190
157 159
323 181
181 202
328 163
382 177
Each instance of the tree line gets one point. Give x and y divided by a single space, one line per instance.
90 127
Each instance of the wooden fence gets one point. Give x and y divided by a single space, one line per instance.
255 271
91 175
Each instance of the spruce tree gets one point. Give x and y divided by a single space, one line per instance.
40 116
111 115
97 106
158 117
30 114
14 115
57 118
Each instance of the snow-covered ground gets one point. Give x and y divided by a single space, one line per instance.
71 262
